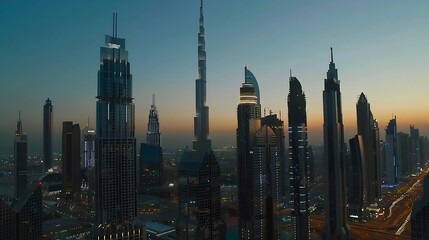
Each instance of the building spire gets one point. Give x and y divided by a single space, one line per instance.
332 55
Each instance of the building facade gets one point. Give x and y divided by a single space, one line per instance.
88 146
336 226
415 149
299 159
47 134
367 128
250 222
420 214
356 179
391 154
20 155
115 151
72 180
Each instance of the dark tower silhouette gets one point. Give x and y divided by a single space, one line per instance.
367 127
333 133
199 172
20 154
298 158
250 196
390 148
115 150
47 134
356 179
153 136
71 159
150 172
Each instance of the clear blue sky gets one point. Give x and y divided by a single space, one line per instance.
51 49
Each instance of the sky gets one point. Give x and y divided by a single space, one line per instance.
52 49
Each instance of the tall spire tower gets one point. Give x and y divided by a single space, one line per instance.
153 137
199 173
201 119
333 133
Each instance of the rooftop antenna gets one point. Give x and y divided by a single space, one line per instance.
113 26
332 55
116 25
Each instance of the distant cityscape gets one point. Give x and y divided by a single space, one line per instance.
106 184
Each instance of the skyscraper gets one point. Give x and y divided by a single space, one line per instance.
47 134
391 154
250 194
266 154
366 128
420 214
115 150
71 159
150 172
88 146
404 163
377 158
22 219
199 172
336 226
20 154
415 149
153 136
298 158
356 179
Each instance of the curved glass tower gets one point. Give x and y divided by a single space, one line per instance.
298 157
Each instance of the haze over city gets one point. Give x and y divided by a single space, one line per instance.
52 50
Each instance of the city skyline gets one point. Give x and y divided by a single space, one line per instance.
374 43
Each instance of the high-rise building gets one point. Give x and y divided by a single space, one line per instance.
22 219
298 158
356 179
28 214
20 154
47 134
266 153
405 166
420 214
71 159
367 127
199 172
415 149
391 154
250 200
151 165
260 150
153 136
88 146
336 226
115 150
377 158
424 149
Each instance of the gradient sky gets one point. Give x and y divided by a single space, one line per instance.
51 49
